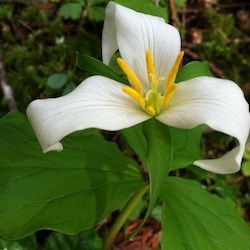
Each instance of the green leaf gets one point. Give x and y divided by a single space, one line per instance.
159 157
145 6
96 13
56 81
186 146
196 219
136 139
66 191
70 11
246 168
69 88
96 67
85 240
192 70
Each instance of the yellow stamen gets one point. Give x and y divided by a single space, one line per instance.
168 96
150 110
135 95
170 87
174 70
151 68
153 101
130 74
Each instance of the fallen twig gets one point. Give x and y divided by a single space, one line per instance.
172 13
6 88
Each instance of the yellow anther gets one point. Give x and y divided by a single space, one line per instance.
174 70
135 95
150 110
130 75
151 68
168 96
150 63
170 86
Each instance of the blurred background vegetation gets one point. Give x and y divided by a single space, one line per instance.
39 42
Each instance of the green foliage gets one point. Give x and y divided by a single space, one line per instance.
192 70
136 139
97 67
71 11
6 12
96 13
221 44
246 163
195 219
36 43
28 243
179 4
246 168
88 169
85 240
145 6
158 157
186 144
56 81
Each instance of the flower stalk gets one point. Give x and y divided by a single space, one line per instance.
121 219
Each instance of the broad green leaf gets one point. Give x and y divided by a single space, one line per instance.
186 146
159 157
192 70
66 191
196 219
96 67
136 139
71 11
56 81
145 6
84 240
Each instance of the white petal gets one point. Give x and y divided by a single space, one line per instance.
218 103
136 33
109 41
98 102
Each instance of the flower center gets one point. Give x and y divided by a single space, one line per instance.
154 100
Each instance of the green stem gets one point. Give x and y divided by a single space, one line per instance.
122 217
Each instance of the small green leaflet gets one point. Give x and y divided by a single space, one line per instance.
66 191
192 70
70 11
192 218
57 80
97 67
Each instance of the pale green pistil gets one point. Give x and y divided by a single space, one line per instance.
155 100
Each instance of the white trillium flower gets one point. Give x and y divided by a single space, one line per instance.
150 52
